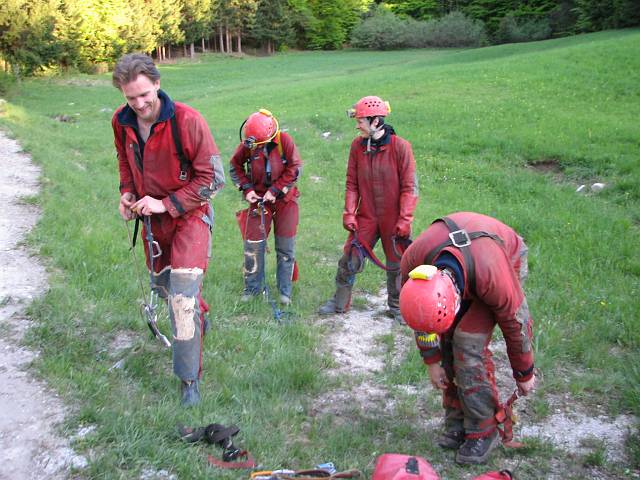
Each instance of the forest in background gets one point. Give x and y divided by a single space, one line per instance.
39 36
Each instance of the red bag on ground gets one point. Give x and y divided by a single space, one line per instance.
501 475
395 466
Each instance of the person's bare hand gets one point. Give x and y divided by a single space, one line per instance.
269 197
252 197
126 202
437 376
525 388
148 205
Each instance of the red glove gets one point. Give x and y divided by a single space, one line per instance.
349 221
403 229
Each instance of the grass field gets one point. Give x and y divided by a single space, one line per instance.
509 131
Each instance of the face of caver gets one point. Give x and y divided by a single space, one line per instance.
142 96
362 125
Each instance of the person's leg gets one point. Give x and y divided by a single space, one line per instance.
189 262
453 435
349 264
393 277
285 228
475 379
255 245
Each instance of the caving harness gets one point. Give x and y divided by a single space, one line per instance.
461 239
222 436
148 308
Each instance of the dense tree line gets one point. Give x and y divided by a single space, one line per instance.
37 35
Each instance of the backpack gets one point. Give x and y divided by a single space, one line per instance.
395 466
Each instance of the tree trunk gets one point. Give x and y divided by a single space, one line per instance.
220 40
168 52
192 50
204 49
228 37
239 42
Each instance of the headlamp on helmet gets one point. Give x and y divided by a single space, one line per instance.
259 128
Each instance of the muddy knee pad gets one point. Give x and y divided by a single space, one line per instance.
184 310
254 266
285 254
476 386
393 285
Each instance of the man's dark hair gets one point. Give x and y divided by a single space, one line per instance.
130 66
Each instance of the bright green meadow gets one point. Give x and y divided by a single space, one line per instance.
510 131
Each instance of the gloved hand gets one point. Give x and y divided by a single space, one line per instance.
349 222
403 229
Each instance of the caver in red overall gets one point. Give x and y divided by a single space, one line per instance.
267 161
380 197
491 295
154 168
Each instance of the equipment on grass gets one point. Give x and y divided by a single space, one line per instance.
396 466
222 436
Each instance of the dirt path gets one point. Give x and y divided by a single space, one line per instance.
29 445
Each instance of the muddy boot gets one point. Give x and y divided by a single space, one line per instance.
477 450
393 292
190 393
452 439
339 303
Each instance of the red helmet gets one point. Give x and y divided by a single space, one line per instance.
261 127
429 300
371 106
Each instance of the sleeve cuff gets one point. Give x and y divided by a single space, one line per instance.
523 375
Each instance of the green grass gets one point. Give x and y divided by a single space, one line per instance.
478 120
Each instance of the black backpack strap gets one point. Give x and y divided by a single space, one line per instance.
459 238
185 163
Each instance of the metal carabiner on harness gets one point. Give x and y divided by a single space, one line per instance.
149 309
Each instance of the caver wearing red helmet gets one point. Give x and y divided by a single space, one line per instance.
266 166
261 127
475 266
380 196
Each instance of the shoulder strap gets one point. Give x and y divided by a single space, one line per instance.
185 163
459 238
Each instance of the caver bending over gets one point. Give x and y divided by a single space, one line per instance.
462 277
169 170
380 197
265 168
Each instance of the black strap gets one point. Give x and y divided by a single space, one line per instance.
462 242
412 466
185 163
136 228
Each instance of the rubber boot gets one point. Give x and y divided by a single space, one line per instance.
339 303
190 393
393 292
477 450
341 300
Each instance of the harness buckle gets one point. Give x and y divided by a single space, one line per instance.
183 175
460 238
